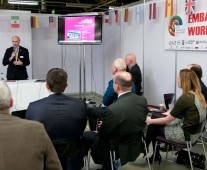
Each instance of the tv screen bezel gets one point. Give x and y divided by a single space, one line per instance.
95 42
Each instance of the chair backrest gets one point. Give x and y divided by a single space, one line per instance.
168 98
73 130
194 129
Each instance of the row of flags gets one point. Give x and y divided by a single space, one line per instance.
35 22
189 9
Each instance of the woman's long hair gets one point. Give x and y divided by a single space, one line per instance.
190 82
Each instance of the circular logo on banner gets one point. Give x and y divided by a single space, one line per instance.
174 21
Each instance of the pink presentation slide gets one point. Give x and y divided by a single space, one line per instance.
80 28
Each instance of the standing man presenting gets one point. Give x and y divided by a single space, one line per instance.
133 68
17 58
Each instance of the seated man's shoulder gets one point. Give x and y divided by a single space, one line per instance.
28 126
76 100
31 123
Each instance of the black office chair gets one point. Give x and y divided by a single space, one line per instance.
68 154
168 98
131 150
188 131
70 147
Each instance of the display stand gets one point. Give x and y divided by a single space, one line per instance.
82 70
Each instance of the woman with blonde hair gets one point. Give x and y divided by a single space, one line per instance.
190 109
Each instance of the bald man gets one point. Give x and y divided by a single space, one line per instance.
123 122
135 71
110 96
17 58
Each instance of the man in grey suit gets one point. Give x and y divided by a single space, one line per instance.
24 144
64 117
123 123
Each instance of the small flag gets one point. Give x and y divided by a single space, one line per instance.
138 14
126 15
152 11
168 8
15 22
35 22
52 22
106 17
189 7
116 16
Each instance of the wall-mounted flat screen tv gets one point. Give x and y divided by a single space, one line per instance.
82 29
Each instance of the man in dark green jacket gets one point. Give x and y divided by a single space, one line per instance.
122 124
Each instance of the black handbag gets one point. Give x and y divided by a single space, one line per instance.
198 160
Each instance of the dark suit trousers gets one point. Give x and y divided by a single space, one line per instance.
99 148
95 113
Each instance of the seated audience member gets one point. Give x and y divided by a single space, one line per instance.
24 144
198 70
109 97
133 68
123 122
64 117
190 109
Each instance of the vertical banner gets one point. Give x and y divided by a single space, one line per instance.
34 22
126 15
106 17
116 16
152 11
189 7
139 14
52 22
15 22
168 8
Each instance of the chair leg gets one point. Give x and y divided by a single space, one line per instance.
167 152
154 154
145 147
111 159
189 148
204 149
88 158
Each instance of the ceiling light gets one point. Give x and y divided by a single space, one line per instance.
78 5
20 2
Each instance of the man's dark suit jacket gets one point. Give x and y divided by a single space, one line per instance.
137 78
203 90
64 117
123 123
15 72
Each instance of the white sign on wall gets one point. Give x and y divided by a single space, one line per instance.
186 32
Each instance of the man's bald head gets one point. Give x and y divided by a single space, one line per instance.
124 80
15 41
5 97
130 59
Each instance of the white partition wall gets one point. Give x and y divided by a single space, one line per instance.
103 55
49 54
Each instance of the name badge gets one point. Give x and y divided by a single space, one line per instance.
21 56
